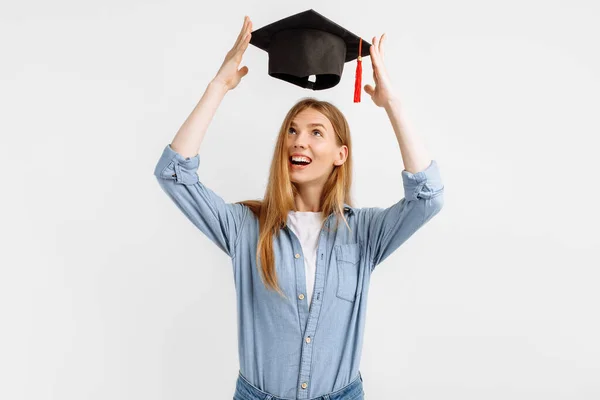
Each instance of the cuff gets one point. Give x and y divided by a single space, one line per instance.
424 184
173 165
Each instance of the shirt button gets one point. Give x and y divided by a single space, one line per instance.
297 255
304 385
301 297
308 339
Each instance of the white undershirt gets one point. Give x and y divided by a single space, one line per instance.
307 226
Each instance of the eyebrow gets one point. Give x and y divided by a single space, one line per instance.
313 124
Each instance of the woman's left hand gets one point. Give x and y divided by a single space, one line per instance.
382 93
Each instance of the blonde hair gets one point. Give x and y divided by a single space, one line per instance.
272 211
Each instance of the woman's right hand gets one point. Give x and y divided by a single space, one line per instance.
228 74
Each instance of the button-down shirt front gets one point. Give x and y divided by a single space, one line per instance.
283 348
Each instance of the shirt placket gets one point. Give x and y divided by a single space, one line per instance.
309 314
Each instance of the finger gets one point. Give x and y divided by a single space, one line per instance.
383 37
243 71
374 56
242 32
245 43
240 35
369 89
246 39
245 26
375 46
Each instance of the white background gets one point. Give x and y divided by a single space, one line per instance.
108 292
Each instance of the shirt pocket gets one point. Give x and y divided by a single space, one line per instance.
347 259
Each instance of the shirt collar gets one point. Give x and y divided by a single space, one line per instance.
348 208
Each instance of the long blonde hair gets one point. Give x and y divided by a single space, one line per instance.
281 191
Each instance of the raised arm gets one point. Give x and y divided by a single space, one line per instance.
189 137
388 228
176 169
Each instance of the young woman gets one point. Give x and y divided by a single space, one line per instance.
301 277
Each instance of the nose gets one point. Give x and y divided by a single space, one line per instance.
298 143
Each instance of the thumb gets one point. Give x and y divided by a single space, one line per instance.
369 89
243 71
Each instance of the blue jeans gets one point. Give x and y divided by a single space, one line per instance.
244 390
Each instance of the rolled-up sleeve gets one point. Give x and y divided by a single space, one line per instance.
387 228
222 222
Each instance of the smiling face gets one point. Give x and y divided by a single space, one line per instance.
312 135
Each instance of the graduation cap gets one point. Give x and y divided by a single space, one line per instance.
308 44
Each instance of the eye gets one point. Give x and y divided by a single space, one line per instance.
292 129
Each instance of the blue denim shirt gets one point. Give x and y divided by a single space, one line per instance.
285 349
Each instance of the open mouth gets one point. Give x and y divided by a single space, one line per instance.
298 165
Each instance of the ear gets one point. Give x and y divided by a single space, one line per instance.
342 156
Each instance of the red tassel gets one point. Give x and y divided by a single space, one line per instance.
358 79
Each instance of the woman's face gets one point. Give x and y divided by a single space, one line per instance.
312 135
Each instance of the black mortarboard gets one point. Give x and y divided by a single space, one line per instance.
308 44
